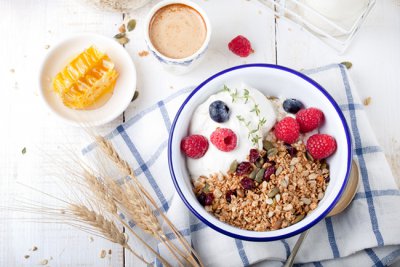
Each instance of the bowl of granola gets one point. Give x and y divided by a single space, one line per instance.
260 152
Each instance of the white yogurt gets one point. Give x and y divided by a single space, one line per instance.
218 161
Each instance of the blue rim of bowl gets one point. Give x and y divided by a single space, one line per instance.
283 236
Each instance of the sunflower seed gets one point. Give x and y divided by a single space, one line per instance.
278 171
288 207
273 192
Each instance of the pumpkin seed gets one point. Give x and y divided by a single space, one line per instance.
298 218
272 152
273 192
260 162
120 35
131 25
123 40
267 145
347 64
269 201
278 197
260 175
253 173
233 166
206 188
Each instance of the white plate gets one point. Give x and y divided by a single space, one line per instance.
60 55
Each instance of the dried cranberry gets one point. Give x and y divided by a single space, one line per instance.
209 199
291 150
268 172
244 168
202 198
247 183
229 194
205 199
327 179
254 155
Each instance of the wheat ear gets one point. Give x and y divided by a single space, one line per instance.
109 150
135 206
105 197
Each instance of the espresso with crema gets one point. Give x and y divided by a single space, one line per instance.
177 31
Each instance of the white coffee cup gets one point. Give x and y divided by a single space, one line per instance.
178 65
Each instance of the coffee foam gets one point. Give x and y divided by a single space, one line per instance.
177 31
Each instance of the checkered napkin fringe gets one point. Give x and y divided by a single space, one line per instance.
367 233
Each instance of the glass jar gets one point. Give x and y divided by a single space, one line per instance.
117 5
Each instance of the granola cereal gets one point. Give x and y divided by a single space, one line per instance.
264 203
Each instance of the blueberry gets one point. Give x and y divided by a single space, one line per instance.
219 111
292 105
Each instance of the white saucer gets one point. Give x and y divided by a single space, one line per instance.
60 55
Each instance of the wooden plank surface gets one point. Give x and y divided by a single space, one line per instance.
28 27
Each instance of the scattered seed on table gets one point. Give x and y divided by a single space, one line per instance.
367 101
103 254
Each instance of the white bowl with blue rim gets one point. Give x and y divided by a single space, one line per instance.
272 80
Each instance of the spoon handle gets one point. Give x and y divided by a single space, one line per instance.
290 259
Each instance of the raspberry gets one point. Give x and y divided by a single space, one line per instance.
224 139
309 119
194 146
287 130
240 46
321 146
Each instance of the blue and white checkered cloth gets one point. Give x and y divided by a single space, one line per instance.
367 233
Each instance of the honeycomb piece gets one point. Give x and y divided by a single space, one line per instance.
86 79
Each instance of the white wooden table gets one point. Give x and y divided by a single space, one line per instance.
28 27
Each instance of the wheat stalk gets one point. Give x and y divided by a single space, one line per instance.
108 149
134 206
80 216
106 193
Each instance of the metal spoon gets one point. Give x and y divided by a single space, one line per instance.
342 204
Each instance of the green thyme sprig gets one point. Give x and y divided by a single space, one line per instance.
253 135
